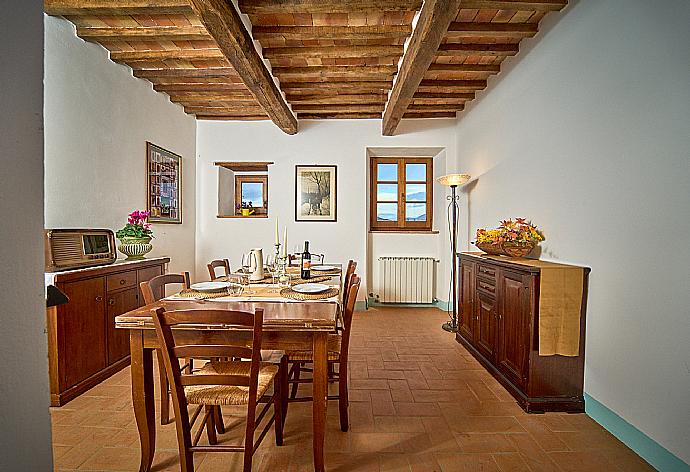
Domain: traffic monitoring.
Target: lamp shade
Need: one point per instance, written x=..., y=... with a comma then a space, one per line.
x=453, y=180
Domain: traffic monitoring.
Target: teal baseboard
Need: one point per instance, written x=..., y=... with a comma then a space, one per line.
x=651, y=451
x=360, y=306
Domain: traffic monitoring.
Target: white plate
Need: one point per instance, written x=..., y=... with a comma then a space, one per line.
x=209, y=286
x=310, y=288
x=323, y=267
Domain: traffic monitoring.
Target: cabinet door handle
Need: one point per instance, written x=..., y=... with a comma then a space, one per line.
x=122, y=281
x=111, y=301
x=99, y=298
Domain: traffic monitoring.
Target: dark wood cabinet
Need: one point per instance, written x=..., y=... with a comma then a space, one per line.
x=84, y=347
x=498, y=324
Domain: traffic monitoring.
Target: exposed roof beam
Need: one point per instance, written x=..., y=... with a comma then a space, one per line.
x=256, y=110
x=336, y=71
x=223, y=22
x=322, y=109
x=166, y=54
x=454, y=85
x=334, y=51
x=326, y=6
x=454, y=49
x=457, y=95
x=149, y=33
x=490, y=68
x=437, y=114
x=519, y=5
x=343, y=85
x=339, y=116
x=332, y=32
x=232, y=118
x=432, y=24
x=184, y=72
x=115, y=7
x=239, y=90
x=435, y=107
x=336, y=99
x=510, y=30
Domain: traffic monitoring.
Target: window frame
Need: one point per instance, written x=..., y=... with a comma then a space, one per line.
x=252, y=178
x=402, y=224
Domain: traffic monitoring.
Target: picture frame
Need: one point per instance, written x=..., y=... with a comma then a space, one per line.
x=316, y=197
x=163, y=185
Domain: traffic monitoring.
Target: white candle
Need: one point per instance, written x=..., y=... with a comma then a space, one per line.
x=285, y=241
x=277, y=240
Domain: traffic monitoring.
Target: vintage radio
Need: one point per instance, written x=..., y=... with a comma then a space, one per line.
x=77, y=248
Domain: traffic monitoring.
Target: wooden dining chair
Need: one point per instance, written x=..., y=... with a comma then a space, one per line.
x=152, y=291
x=338, y=346
x=224, y=263
x=349, y=272
x=219, y=383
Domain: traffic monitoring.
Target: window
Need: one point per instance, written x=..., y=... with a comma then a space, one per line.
x=251, y=191
x=401, y=194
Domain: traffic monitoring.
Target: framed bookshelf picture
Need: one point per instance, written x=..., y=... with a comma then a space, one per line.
x=163, y=185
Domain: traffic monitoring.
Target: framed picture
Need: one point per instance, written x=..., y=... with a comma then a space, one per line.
x=163, y=189
x=316, y=193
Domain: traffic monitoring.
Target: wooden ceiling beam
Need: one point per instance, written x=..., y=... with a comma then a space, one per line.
x=432, y=24
x=516, y=5
x=223, y=22
x=456, y=95
x=336, y=99
x=116, y=7
x=327, y=109
x=257, y=110
x=438, y=101
x=332, y=32
x=166, y=54
x=499, y=50
x=184, y=72
x=339, y=116
x=325, y=6
x=437, y=114
x=340, y=85
x=509, y=30
x=148, y=33
x=479, y=68
x=335, y=71
x=206, y=97
x=229, y=117
x=451, y=85
x=229, y=80
x=333, y=52
x=237, y=90
x=449, y=107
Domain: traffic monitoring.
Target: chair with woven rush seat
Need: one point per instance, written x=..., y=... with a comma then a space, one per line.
x=338, y=345
x=152, y=291
x=224, y=263
x=219, y=383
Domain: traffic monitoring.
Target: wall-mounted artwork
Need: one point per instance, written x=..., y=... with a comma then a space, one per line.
x=163, y=185
x=315, y=193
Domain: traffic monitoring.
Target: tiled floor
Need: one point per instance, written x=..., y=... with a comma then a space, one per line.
x=419, y=402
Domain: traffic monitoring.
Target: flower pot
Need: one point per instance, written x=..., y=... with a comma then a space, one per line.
x=491, y=249
x=135, y=248
x=515, y=249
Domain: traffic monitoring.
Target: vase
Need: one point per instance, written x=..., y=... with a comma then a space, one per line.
x=491, y=249
x=515, y=249
x=135, y=248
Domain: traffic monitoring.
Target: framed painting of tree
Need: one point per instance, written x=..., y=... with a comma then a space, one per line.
x=316, y=193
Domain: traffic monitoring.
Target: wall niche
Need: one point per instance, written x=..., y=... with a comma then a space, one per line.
x=242, y=189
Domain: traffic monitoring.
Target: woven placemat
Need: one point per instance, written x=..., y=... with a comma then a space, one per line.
x=189, y=293
x=267, y=279
x=289, y=293
x=311, y=280
x=327, y=272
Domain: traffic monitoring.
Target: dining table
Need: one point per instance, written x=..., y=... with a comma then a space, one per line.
x=288, y=325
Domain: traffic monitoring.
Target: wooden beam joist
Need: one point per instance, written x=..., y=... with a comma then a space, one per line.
x=467, y=68
x=455, y=85
x=184, y=72
x=336, y=71
x=332, y=32
x=326, y=6
x=331, y=52
x=237, y=90
x=428, y=108
x=223, y=22
x=441, y=95
x=340, y=85
x=517, y=5
x=116, y=7
x=432, y=24
x=510, y=30
x=336, y=99
x=148, y=33
x=499, y=50
x=340, y=116
x=327, y=109
x=437, y=114
x=166, y=54
x=202, y=116
x=254, y=111
x=209, y=97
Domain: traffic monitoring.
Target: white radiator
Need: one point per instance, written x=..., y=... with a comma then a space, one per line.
x=406, y=279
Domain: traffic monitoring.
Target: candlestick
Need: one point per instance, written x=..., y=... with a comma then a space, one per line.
x=285, y=242
x=277, y=243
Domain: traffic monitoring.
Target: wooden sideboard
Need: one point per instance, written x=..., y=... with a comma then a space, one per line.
x=498, y=324
x=84, y=348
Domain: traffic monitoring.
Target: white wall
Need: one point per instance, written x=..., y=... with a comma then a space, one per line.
x=98, y=118
x=25, y=433
x=341, y=142
x=588, y=136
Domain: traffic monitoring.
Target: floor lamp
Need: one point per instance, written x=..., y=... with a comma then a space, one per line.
x=453, y=181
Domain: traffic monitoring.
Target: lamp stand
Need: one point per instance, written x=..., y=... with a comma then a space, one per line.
x=452, y=325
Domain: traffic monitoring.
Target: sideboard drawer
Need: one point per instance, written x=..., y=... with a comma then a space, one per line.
x=121, y=280
x=485, y=271
x=486, y=286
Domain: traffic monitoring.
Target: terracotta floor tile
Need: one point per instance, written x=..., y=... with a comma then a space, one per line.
x=419, y=402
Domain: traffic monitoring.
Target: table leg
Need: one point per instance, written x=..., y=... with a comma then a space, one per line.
x=142, y=397
x=320, y=403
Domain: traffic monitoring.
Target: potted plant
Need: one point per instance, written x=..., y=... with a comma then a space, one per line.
x=135, y=237
x=245, y=209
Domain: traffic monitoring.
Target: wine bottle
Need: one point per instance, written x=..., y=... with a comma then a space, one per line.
x=306, y=262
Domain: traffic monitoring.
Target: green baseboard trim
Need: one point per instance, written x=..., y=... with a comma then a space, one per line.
x=360, y=306
x=651, y=451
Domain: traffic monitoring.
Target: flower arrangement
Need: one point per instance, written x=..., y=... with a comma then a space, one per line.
x=136, y=227
x=513, y=237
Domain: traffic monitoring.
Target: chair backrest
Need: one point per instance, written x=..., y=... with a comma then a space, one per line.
x=224, y=263
x=172, y=353
x=348, y=310
x=154, y=289
x=351, y=267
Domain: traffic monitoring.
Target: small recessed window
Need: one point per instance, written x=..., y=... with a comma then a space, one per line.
x=243, y=189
